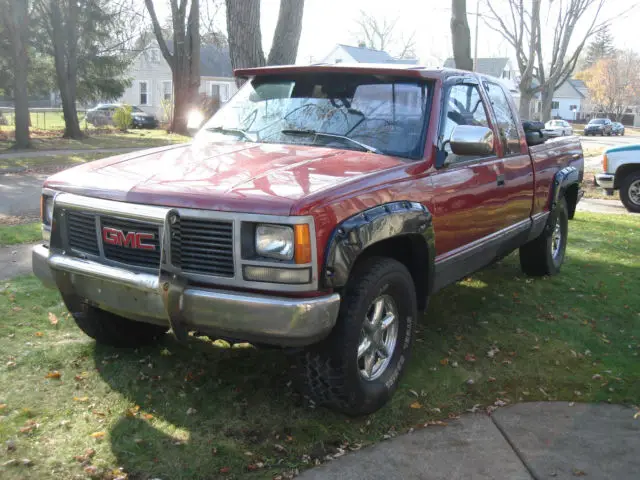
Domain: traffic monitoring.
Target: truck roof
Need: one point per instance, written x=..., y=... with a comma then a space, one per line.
x=404, y=70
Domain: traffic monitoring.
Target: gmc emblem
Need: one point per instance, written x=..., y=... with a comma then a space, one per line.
x=113, y=236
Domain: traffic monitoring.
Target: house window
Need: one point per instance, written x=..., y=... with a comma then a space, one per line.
x=167, y=92
x=144, y=92
x=220, y=91
x=555, y=105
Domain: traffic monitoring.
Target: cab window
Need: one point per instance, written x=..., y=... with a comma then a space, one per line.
x=505, y=118
x=464, y=106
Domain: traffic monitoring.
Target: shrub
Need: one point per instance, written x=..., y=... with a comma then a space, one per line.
x=122, y=118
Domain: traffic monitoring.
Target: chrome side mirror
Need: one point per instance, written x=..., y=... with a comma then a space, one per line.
x=471, y=140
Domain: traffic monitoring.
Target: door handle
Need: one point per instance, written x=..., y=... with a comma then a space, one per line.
x=500, y=180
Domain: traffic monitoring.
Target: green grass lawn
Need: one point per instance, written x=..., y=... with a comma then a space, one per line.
x=25, y=233
x=133, y=138
x=204, y=411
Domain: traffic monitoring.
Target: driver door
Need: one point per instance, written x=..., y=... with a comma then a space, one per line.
x=469, y=191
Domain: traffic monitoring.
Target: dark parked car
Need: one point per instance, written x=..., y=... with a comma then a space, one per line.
x=102, y=114
x=598, y=126
x=617, y=128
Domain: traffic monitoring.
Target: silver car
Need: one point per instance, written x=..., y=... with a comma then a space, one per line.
x=557, y=128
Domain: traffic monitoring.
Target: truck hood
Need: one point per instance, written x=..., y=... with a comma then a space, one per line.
x=234, y=176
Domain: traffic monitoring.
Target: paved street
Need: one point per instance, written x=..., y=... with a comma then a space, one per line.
x=526, y=441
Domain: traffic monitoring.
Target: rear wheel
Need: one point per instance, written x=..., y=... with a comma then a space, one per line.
x=630, y=192
x=544, y=255
x=357, y=368
x=109, y=329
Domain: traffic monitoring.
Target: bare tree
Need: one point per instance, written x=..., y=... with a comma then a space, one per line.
x=522, y=28
x=184, y=60
x=461, y=35
x=245, y=37
x=15, y=20
x=379, y=34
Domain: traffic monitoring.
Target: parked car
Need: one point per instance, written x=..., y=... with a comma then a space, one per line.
x=557, y=128
x=598, y=126
x=318, y=210
x=102, y=114
x=621, y=171
x=617, y=128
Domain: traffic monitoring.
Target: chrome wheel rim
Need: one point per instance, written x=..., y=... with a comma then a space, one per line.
x=556, y=240
x=378, y=338
x=634, y=192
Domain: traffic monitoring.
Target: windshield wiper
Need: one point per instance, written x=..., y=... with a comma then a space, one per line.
x=364, y=146
x=238, y=132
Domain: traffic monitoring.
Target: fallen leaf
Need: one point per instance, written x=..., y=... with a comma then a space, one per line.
x=225, y=470
x=191, y=411
x=133, y=411
x=147, y=416
x=39, y=334
x=55, y=374
x=492, y=352
x=435, y=423
x=16, y=309
x=596, y=377
x=444, y=361
x=11, y=364
x=637, y=414
x=91, y=470
x=491, y=379
x=578, y=473
x=3, y=406
x=89, y=452
x=469, y=357
x=165, y=353
x=80, y=399
x=53, y=319
x=98, y=435
x=416, y=405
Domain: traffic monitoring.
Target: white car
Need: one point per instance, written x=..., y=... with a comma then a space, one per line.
x=621, y=171
x=557, y=128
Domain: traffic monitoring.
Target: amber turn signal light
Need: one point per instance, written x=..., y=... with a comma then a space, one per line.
x=605, y=163
x=302, y=238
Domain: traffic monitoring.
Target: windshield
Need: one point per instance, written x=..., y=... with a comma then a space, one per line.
x=347, y=111
x=597, y=121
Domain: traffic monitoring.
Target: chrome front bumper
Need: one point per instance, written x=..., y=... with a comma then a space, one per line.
x=605, y=180
x=168, y=301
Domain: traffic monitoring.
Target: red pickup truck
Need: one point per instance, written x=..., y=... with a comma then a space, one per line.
x=318, y=210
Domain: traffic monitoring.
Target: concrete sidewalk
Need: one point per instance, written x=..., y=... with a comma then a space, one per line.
x=539, y=440
x=15, y=260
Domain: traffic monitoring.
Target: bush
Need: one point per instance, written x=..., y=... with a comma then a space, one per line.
x=122, y=118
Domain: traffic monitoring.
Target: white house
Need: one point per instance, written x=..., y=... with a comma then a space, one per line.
x=569, y=100
x=152, y=89
x=349, y=54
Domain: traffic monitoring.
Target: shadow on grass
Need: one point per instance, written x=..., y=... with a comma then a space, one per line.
x=215, y=408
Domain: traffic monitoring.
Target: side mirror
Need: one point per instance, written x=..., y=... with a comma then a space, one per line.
x=471, y=140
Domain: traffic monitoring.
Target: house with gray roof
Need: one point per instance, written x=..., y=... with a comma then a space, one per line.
x=152, y=86
x=350, y=54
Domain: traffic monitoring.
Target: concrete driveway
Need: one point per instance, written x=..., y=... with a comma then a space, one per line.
x=20, y=195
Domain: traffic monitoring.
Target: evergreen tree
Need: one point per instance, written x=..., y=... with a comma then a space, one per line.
x=600, y=47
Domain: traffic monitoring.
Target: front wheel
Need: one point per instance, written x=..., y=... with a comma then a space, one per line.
x=357, y=368
x=630, y=192
x=544, y=255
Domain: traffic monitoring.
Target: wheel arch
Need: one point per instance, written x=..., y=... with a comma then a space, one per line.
x=566, y=184
x=622, y=171
x=400, y=230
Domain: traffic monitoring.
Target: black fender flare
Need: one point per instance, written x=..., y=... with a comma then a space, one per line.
x=563, y=179
x=359, y=232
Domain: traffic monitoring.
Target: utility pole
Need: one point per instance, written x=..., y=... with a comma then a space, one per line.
x=475, y=49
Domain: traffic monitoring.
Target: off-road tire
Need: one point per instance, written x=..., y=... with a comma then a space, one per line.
x=536, y=257
x=109, y=329
x=625, y=184
x=328, y=372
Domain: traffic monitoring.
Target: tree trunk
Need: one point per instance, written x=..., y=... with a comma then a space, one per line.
x=460, y=35
x=245, y=39
x=546, y=99
x=65, y=58
x=525, y=105
x=17, y=22
x=286, y=38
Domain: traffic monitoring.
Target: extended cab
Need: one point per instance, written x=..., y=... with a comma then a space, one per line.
x=318, y=210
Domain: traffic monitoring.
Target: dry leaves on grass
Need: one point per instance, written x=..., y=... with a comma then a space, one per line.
x=81, y=399
x=470, y=357
x=53, y=319
x=133, y=411
x=54, y=374
x=98, y=435
x=416, y=405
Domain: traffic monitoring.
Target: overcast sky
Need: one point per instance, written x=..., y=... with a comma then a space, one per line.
x=328, y=22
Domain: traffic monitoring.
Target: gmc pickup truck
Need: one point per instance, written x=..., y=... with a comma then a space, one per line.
x=318, y=211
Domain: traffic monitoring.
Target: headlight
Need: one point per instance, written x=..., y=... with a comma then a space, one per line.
x=274, y=241
x=47, y=209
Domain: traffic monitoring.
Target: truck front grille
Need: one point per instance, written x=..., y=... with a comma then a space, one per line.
x=203, y=246
x=149, y=258
x=81, y=231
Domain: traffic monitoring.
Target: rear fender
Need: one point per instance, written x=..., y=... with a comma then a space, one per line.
x=389, y=221
x=568, y=177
